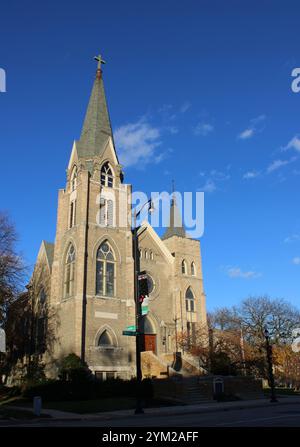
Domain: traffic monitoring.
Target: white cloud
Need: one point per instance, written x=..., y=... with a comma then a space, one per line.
x=250, y=174
x=167, y=112
x=293, y=144
x=162, y=156
x=218, y=175
x=258, y=120
x=203, y=129
x=214, y=177
x=292, y=238
x=137, y=142
x=277, y=164
x=185, y=106
x=296, y=260
x=236, y=272
x=248, y=133
x=256, y=125
x=172, y=129
x=209, y=186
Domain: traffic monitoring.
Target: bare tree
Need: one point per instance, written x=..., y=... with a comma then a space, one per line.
x=279, y=316
x=12, y=269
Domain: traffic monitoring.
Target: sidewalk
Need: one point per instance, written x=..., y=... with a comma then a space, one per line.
x=166, y=411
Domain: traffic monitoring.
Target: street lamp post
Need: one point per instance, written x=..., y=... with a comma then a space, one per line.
x=138, y=307
x=270, y=365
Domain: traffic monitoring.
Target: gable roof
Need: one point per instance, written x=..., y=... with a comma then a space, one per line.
x=157, y=240
x=49, y=251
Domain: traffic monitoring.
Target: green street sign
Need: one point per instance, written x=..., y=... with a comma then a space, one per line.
x=130, y=328
x=145, y=310
x=129, y=333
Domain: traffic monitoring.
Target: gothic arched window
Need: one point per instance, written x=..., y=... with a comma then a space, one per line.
x=72, y=216
x=105, y=270
x=106, y=212
x=183, y=268
x=105, y=340
x=106, y=177
x=74, y=179
x=69, y=272
x=189, y=300
x=193, y=269
x=42, y=296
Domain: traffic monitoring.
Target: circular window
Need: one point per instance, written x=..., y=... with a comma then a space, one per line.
x=105, y=247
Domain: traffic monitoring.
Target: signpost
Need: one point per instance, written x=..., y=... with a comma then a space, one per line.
x=145, y=306
x=130, y=331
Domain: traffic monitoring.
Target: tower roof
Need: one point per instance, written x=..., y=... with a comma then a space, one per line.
x=176, y=227
x=96, y=128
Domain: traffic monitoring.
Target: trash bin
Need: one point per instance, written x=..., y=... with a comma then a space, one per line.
x=37, y=405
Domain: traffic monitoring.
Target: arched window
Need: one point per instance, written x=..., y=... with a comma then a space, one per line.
x=189, y=300
x=74, y=179
x=105, y=340
x=42, y=296
x=106, y=212
x=105, y=270
x=106, y=177
x=193, y=269
x=183, y=268
x=69, y=272
x=151, y=255
x=147, y=326
x=72, y=216
x=146, y=254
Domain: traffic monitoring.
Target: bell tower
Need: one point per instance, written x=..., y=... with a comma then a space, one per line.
x=92, y=274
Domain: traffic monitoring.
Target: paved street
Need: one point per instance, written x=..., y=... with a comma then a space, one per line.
x=273, y=415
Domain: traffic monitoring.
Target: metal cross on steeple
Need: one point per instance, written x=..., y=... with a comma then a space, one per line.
x=100, y=61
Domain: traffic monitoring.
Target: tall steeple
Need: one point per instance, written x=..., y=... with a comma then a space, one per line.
x=176, y=227
x=96, y=128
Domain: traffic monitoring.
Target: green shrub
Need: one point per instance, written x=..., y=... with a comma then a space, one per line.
x=66, y=390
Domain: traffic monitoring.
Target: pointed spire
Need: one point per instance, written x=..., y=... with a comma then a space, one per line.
x=96, y=127
x=176, y=227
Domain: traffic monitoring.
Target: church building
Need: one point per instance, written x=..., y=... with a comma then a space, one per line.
x=85, y=279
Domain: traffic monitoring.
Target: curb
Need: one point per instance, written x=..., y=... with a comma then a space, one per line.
x=189, y=409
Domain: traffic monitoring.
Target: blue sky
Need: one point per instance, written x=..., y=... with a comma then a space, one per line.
x=203, y=87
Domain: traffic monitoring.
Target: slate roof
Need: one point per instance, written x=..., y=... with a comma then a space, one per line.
x=96, y=128
x=176, y=227
x=49, y=249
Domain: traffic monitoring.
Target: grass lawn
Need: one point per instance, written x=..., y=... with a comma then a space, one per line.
x=12, y=413
x=101, y=405
x=92, y=406
x=87, y=406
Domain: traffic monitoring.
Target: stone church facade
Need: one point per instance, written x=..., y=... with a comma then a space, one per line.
x=86, y=277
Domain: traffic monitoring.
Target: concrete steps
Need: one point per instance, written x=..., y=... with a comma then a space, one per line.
x=192, y=392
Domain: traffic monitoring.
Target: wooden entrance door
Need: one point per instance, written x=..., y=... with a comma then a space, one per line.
x=150, y=342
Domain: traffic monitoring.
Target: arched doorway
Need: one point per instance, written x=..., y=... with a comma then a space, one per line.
x=149, y=335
